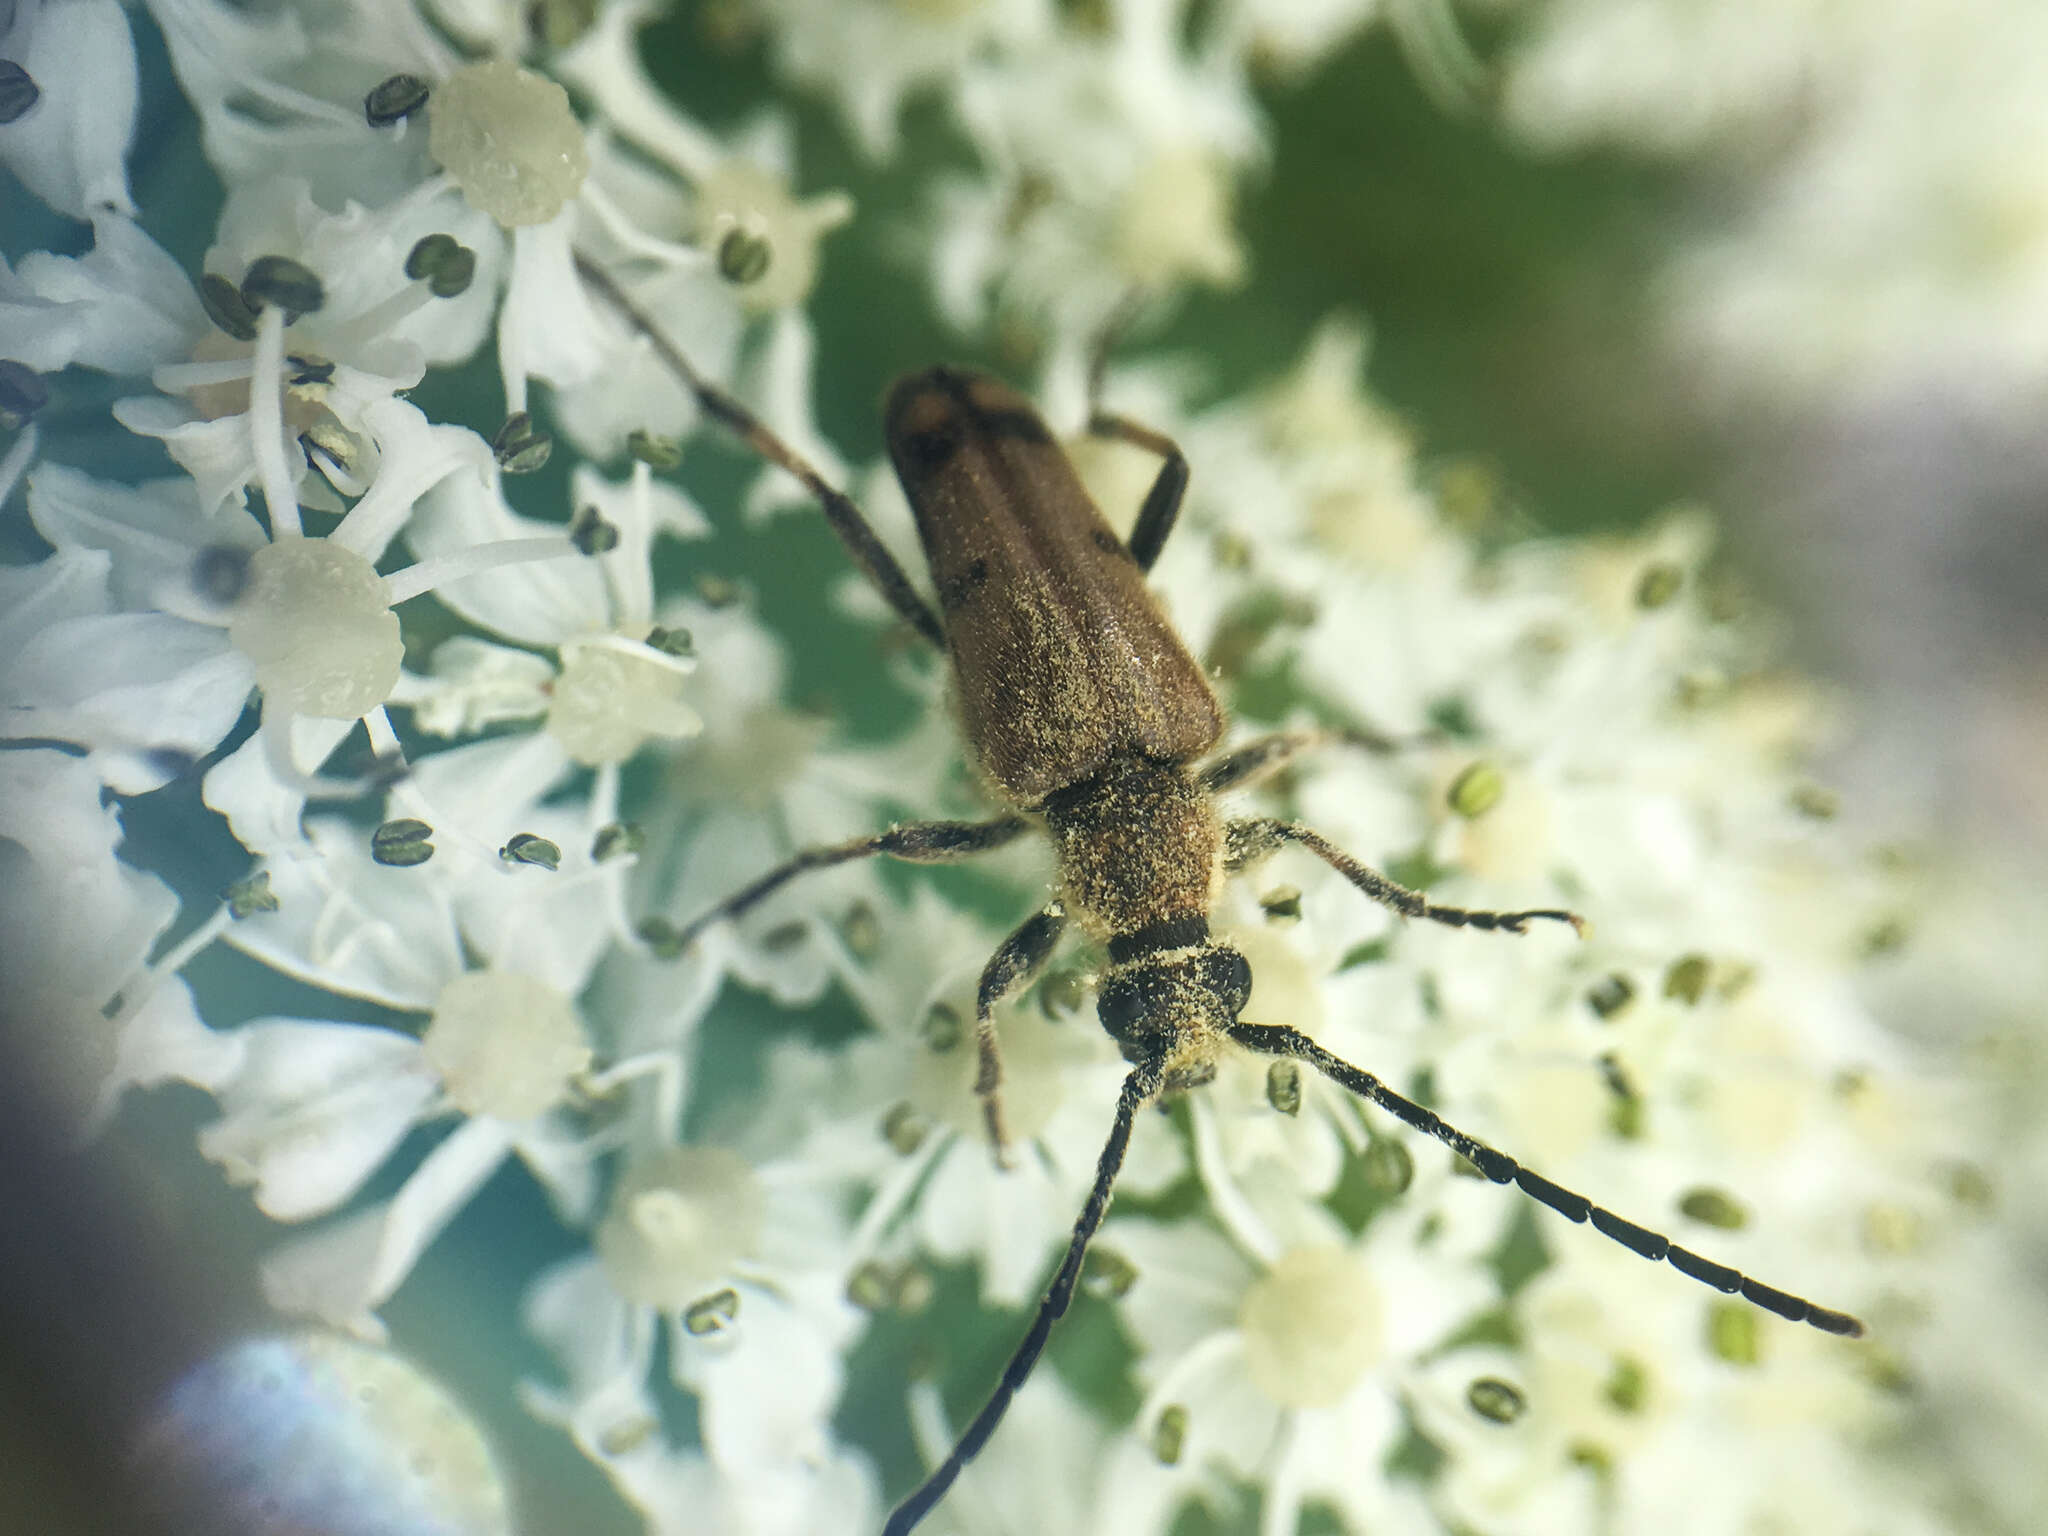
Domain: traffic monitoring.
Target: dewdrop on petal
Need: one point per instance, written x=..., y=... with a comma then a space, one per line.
x=607, y=702
x=679, y=1221
x=510, y=140
x=316, y=623
x=504, y=1045
x=1311, y=1327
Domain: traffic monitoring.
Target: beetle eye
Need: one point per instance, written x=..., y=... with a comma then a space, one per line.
x=1235, y=978
x=1119, y=1006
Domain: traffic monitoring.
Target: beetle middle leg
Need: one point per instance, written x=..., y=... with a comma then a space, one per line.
x=920, y=842
x=1017, y=959
x=1263, y=756
x=1249, y=841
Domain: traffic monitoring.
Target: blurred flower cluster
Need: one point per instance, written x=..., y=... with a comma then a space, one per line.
x=491, y=731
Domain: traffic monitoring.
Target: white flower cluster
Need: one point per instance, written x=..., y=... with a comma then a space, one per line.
x=1896, y=230
x=490, y=841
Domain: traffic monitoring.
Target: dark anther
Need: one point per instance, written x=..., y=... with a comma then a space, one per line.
x=22, y=394
x=18, y=91
x=220, y=573
x=290, y=285
x=393, y=100
x=225, y=306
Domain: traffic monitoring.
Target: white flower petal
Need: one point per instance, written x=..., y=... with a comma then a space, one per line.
x=542, y=602
x=123, y=307
x=152, y=530
x=71, y=147
x=314, y=1111
x=343, y=1272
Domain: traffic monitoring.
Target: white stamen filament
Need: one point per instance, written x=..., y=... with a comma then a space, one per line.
x=266, y=424
x=438, y=570
x=1280, y=1506
x=1225, y=1198
x=893, y=1194
x=15, y=465
x=682, y=666
x=177, y=378
x=1215, y=1350
x=632, y=239
x=665, y=1068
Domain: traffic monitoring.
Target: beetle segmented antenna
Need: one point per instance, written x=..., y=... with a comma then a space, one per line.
x=1139, y=1087
x=868, y=552
x=1278, y=1040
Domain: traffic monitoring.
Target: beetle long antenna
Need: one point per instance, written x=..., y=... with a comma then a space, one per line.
x=1278, y=1040
x=1139, y=1087
x=868, y=551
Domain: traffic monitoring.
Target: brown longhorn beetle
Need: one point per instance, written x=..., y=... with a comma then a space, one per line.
x=1085, y=712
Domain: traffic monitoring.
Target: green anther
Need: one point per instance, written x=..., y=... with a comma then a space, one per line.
x=1626, y=1115
x=1170, y=1434
x=1970, y=1187
x=1476, y=791
x=1062, y=994
x=743, y=258
x=663, y=939
x=1282, y=904
x=617, y=840
x=904, y=1128
x=872, y=1286
x=22, y=394
x=784, y=937
x=913, y=1289
x=1885, y=938
x=225, y=306
x=943, y=1028
x=18, y=91
x=714, y=1314
x=1496, y=1401
x=1701, y=687
x=1714, y=1208
x=716, y=591
x=656, y=452
x=591, y=534
x=1893, y=1230
x=1627, y=1386
x=290, y=285
x=1387, y=1166
x=1596, y=1459
x=1816, y=801
x=1283, y=1087
x=526, y=848
x=250, y=895
x=626, y=1435
x=1610, y=995
x=393, y=100
x=402, y=843
x=444, y=263
x=1686, y=979
x=1108, y=1273
x=861, y=929
x=1659, y=584
x=519, y=446
x=676, y=642
x=1733, y=1333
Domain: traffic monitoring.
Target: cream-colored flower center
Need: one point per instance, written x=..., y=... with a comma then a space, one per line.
x=607, y=702
x=679, y=1221
x=1176, y=224
x=1311, y=1327
x=510, y=140
x=504, y=1045
x=315, y=622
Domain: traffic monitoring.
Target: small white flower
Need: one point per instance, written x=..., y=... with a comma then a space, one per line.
x=71, y=146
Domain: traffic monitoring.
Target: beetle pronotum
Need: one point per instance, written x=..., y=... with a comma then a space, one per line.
x=1086, y=714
